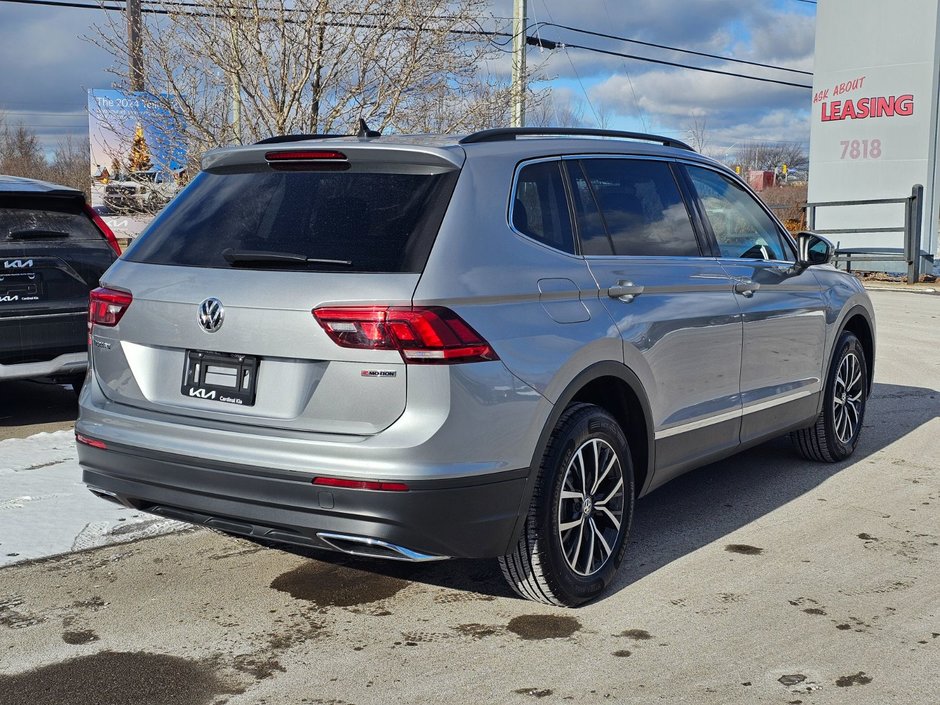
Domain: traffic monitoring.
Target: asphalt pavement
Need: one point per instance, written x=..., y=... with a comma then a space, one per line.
x=32, y=407
x=760, y=579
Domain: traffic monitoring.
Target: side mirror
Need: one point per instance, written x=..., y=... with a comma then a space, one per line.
x=813, y=249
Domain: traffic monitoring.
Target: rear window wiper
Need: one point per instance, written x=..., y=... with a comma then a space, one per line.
x=262, y=258
x=36, y=234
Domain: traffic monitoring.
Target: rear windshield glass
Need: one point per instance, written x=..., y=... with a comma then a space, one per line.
x=50, y=221
x=359, y=221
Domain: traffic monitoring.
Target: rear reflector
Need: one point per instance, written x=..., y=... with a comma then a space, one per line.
x=360, y=484
x=106, y=306
x=423, y=335
x=93, y=442
x=307, y=160
x=103, y=227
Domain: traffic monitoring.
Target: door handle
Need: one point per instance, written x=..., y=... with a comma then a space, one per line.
x=625, y=291
x=746, y=288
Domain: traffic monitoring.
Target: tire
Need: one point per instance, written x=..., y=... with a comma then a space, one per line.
x=555, y=561
x=834, y=435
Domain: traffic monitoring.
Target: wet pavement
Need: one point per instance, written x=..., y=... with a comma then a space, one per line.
x=761, y=579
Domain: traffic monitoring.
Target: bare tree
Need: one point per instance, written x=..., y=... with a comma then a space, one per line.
x=70, y=166
x=20, y=151
x=697, y=133
x=770, y=155
x=22, y=154
x=549, y=110
x=243, y=71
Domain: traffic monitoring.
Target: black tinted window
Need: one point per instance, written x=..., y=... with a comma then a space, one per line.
x=632, y=207
x=37, y=219
x=380, y=222
x=540, y=209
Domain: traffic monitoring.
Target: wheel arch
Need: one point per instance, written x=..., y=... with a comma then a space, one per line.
x=858, y=322
x=615, y=388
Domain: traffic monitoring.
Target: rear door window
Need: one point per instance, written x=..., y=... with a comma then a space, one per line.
x=362, y=221
x=631, y=207
x=540, y=206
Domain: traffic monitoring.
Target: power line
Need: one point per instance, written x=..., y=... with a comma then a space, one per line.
x=626, y=72
x=56, y=113
x=678, y=65
x=479, y=33
x=189, y=3
x=597, y=118
x=670, y=48
x=155, y=11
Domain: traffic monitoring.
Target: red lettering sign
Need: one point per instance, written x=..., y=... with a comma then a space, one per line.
x=863, y=108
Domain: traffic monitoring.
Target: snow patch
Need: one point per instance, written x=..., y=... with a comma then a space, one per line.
x=45, y=508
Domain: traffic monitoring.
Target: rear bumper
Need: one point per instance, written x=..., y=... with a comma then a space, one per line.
x=63, y=365
x=467, y=518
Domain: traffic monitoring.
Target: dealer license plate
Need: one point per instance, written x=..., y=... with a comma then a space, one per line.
x=223, y=377
x=20, y=287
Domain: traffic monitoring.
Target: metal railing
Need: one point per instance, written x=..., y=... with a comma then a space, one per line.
x=911, y=253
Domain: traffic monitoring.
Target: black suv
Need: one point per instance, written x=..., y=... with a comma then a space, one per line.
x=53, y=250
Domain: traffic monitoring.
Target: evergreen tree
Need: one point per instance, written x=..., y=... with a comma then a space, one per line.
x=140, y=153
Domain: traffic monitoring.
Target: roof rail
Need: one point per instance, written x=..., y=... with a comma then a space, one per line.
x=510, y=133
x=296, y=138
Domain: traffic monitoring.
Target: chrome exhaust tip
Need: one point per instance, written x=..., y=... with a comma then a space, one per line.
x=105, y=494
x=374, y=548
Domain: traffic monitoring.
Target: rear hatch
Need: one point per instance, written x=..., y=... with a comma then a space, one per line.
x=51, y=255
x=224, y=282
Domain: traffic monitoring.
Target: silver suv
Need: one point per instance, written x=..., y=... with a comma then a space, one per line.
x=428, y=347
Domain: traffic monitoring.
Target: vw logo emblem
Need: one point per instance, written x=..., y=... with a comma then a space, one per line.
x=211, y=315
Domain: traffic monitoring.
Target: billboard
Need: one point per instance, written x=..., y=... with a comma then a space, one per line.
x=874, y=115
x=138, y=154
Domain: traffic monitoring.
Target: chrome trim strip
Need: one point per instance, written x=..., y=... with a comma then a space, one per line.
x=406, y=554
x=737, y=413
x=44, y=315
x=701, y=423
x=763, y=405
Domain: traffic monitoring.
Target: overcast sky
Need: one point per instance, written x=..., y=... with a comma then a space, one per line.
x=48, y=66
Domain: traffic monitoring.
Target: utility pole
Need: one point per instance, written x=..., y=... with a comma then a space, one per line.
x=518, y=63
x=236, y=82
x=135, y=47
x=316, y=85
x=236, y=108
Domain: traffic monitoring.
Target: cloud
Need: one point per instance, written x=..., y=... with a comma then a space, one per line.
x=788, y=38
x=734, y=110
x=54, y=67
x=664, y=98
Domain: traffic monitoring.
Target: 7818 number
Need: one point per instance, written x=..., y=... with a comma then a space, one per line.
x=861, y=149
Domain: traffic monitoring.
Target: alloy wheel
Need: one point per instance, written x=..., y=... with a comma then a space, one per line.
x=848, y=397
x=590, y=507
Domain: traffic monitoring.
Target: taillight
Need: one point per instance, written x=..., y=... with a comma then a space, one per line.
x=106, y=306
x=360, y=484
x=426, y=335
x=307, y=160
x=93, y=442
x=103, y=227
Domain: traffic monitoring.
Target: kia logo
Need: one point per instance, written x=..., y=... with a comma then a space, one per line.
x=211, y=315
x=17, y=263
